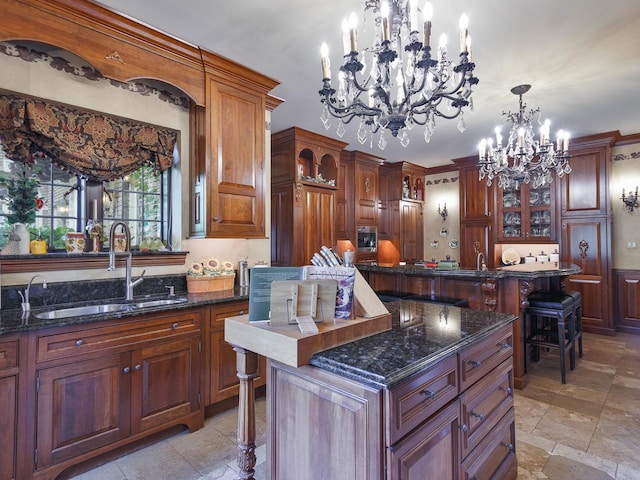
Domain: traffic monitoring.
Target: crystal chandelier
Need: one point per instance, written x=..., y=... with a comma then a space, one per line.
x=524, y=159
x=403, y=84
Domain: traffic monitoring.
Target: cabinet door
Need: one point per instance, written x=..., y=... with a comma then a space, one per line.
x=434, y=447
x=475, y=236
x=8, y=421
x=165, y=382
x=627, y=306
x=318, y=222
x=366, y=185
x=585, y=190
x=476, y=198
x=526, y=214
x=411, y=230
x=236, y=173
x=81, y=406
x=9, y=407
x=384, y=215
x=585, y=242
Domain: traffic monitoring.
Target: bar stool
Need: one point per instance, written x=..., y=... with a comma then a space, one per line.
x=549, y=322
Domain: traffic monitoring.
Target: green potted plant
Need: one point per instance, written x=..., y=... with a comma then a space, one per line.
x=23, y=201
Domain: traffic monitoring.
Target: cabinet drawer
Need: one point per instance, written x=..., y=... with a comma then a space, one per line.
x=84, y=340
x=495, y=456
x=484, y=404
x=414, y=401
x=219, y=313
x=482, y=357
x=9, y=354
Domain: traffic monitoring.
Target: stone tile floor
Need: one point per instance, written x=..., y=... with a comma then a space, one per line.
x=587, y=429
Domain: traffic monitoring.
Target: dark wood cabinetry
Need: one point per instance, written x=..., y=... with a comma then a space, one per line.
x=304, y=176
x=586, y=228
x=228, y=172
x=476, y=214
x=98, y=387
x=627, y=300
x=526, y=214
x=402, y=218
x=222, y=381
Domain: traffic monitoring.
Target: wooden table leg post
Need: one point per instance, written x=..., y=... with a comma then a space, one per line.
x=247, y=366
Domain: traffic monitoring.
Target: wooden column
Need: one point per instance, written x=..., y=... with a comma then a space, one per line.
x=247, y=366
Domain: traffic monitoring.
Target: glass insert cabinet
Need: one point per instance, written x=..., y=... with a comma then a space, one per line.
x=526, y=214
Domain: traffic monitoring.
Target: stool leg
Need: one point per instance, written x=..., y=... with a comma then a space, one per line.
x=579, y=329
x=572, y=340
x=561, y=335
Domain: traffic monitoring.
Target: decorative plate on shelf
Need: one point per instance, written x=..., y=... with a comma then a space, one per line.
x=453, y=243
x=444, y=231
x=510, y=257
x=435, y=243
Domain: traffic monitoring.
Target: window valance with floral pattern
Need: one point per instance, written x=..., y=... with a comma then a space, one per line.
x=98, y=146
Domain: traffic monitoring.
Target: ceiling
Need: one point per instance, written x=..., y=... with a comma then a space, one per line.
x=582, y=58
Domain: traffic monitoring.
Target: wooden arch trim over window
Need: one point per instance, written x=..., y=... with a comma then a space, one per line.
x=98, y=146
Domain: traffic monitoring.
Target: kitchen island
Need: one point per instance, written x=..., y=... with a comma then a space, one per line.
x=432, y=394
x=504, y=289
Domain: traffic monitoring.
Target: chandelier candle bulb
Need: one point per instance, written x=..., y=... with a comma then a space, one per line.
x=384, y=11
x=469, y=48
x=560, y=138
x=324, y=53
x=464, y=23
x=427, y=12
x=353, y=32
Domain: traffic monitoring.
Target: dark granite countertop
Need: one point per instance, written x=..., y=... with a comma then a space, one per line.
x=422, y=334
x=13, y=321
x=524, y=271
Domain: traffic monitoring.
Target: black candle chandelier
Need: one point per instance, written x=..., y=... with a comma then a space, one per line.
x=405, y=84
x=524, y=159
x=630, y=201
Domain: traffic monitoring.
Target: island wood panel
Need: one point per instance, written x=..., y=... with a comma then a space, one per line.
x=322, y=426
x=469, y=289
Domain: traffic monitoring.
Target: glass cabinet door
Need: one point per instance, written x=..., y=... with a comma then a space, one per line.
x=539, y=212
x=511, y=213
x=526, y=214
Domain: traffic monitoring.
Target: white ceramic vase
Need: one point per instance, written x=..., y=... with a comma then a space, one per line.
x=20, y=229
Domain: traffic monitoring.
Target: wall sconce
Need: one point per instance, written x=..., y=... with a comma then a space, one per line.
x=444, y=213
x=630, y=201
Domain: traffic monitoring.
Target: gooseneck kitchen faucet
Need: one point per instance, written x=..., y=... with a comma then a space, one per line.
x=127, y=251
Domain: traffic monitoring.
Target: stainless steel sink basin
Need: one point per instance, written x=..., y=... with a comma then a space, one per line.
x=86, y=310
x=109, y=307
x=159, y=303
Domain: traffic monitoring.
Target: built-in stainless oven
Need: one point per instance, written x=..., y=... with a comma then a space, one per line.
x=367, y=239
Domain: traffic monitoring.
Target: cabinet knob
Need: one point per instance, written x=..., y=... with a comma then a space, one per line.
x=463, y=427
x=241, y=312
x=174, y=325
x=504, y=346
x=507, y=390
x=429, y=394
x=509, y=446
x=216, y=219
x=476, y=363
x=137, y=367
x=478, y=415
x=79, y=342
x=126, y=370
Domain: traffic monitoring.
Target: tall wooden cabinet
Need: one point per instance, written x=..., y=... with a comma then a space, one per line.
x=304, y=176
x=403, y=215
x=358, y=197
x=585, y=213
x=476, y=214
x=228, y=151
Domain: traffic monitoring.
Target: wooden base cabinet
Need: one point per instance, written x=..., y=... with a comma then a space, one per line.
x=101, y=386
x=9, y=396
x=627, y=302
x=453, y=420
